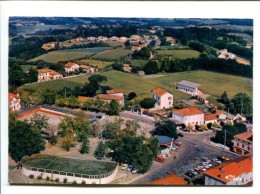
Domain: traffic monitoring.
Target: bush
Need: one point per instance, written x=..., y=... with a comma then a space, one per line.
x=48, y=178
x=190, y=127
x=74, y=182
x=209, y=125
x=57, y=180
x=39, y=177
x=31, y=176
x=216, y=125
x=65, y=180
x=83, y=182
x=229, y=123
x=203, y=127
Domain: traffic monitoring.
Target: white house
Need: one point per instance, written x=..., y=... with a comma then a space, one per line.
x=14, y=101
x=189, y=87
x=102, y=38
x=188, y=116
x=243, y=143
x=164, y=99
x=234, y=172
x=92, y=38
x=88, y=69
x=71, y=67
x=48, y=74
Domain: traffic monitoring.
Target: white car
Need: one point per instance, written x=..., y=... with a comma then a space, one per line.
x=134, y=171
x=124, y=166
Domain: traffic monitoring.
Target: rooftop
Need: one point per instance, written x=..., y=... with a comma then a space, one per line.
x=83, y=98
x=246, y=136
x=44, y=70
x=188, y=111
x=70, y=64
x=115, y=91
x=189, y=84
x=226, y=172
x=12, y=95
x=159, y=91
x=209, y=117
x=109, y=97
x=169, y=180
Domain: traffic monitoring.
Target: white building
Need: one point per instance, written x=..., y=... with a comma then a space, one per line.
x=71, y=67
x=243, y=143
x=14, y=101
x=235, y=172
x=102, y=38
x=48, y=74
x=189, y=87
x=88, y=69
x=188, y=116
x=164, y=99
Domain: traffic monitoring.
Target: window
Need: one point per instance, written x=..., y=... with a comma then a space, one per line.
x=170, y=103
x=169, y=98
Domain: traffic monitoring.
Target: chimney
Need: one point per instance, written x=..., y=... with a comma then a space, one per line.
x=17, y=94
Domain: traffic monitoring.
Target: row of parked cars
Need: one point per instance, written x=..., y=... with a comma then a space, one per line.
x=205, y=165
x=130, y=168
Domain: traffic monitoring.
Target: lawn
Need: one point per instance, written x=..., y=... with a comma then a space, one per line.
x=72, y=165
x=112, y=55
x=57, y=56
x=180, y=54
x=212, y=83
x=94, y=63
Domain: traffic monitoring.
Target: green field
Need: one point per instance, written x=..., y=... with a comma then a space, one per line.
x=212, y=83
x=26, y=68
x=234, y=27
x=94, y=63
x=92, y=50
x=87, y=167
x=57, y=56
x=139, y=62
x=112, y=55
x=180, y=54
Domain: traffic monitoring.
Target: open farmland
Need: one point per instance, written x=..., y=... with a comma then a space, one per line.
x=91, y=50
x=139, y=62
x=57, y=56
x=94, y=63
x=112, y=55
x=116, y=79
x=212, y=83
x=180, y=54
x=234, y=27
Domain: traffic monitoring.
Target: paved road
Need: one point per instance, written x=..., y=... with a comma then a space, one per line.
x=189, y=156
x=141, y=118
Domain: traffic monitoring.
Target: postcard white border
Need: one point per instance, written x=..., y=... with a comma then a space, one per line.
x=126, y=9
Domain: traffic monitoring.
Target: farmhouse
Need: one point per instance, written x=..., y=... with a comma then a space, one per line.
x=71, y=67
x=135, y=48
x=49, y=46
x=164, y=99
x=92, y=38
x=116, y=92
x=48, y=74
x=88, y=69
x=108, y=98
x=189, y=87
x=243, y=143
x=188, y=116
x=235, y=172
x=14, y=101
x=127, y=68
x=114, y=38
x=123, y=39
x=102, y=38
x=224, y=54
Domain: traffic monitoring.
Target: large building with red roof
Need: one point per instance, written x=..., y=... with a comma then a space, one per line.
x=169, y=180
x=235, y=172
x=71, y=67
x=14, y=101
x=243, y=143
x=48, y=74
x=163, y=98
x=188, y=116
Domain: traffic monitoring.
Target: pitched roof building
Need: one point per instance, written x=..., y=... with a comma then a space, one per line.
x=14, y=101
x=243, y=143
x=164, y=99
x=188, y=116
x=189, y=87
x=48, y=74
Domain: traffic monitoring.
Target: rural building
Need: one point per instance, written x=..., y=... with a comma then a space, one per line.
x=189, y=87
x=210, y=118
x=114, y=38
x=123, y=39
x=224, y=54
x=49, y=46
x=140, y=73
x=48, y=74
x=14, y=101
x=71, y=67
x=202, y=98
x=135, y=48
x=243, y=143
x=137, y=109
x=239, y=119
x=235, y=172
x=171, y=179
x=164, y=99
x=170, y=40
x=188, y=116
x=88, y=69
x=108, y=98
x=127, y=68
x=92, y=38
x=102, y=38
x=135, y=37
x=116, y=92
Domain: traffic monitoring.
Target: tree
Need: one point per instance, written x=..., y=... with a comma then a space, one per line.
x=39, y=122
x=131, y=127
x=113, y=108
x=224, y=98
x=89, y=89
x=85, y=146
x=23, y=140
x=151, y=67
x=67, y=126
x=32, y=75
x=97, y=78
x=132, y=95
x=82, y=127
x=242, y=103
x=167, y=128
x=101, y=149
x=153, y=144
x=148, y=103
x=112, y=130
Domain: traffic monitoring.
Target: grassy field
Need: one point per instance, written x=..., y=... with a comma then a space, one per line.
x=26, y=68
x=116, y=79
x=99, y=64
x=180, y=54
x=56, y=56
x=69, y=165
x=234, y=27
x=212, y=83
x=139, y=62
x=112, y=55
x=92, y=50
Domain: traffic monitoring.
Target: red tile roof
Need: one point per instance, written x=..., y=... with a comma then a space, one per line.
x=159, y=91
x=210, y=117
x=115, y=91
x=244, y=136
x=83, y=98
x=227, y=171
x=109, y=97
x=169, y=180
x=11, y=96
x=44, y=70
x=188, y=111
x=70, y=64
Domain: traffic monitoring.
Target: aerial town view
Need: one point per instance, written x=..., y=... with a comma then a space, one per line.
x=130, y=101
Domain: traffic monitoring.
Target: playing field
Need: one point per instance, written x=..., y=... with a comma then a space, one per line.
x=71, y=165
x=180, y=54
x=94, y=63
x=112, y=55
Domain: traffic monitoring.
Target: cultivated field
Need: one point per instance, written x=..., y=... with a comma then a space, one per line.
x=112, y=55
x=72, y=165
x=212, y=83
x=94, y=63
x=180, y=54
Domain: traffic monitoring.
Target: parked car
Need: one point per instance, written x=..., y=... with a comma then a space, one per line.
x=160, y=159
x=205, y=159
x=217, y=161
x=134, y=170
x=223, y=158
x=130, y=168
x=124, y=166
x=189, y=174
x=100, y=157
